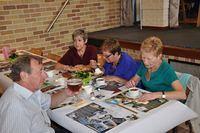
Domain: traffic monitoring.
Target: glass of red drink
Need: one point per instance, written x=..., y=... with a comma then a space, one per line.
x=74, y=85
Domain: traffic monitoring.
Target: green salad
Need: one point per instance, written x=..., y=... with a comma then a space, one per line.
x=85, y=76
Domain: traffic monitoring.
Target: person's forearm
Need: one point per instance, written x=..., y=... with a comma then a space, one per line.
x=175, y=95
x=60, y=66
x=57, y=98
x=171, y=95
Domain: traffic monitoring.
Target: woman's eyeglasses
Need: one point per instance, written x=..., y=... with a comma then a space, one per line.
x=107, y=56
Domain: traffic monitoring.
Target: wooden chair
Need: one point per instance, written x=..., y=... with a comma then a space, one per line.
x=190, y=99
x=53, y=56
x=37, y=51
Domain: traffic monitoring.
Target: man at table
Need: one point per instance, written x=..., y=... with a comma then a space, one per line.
x=23, y=106
x=119, y=66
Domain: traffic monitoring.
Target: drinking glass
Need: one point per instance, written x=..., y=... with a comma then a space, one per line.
x=74, y=85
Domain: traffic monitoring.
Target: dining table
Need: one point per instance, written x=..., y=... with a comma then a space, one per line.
x=109, y=109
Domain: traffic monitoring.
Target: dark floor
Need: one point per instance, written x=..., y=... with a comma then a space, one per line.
x=183, y=36
x=182, y=128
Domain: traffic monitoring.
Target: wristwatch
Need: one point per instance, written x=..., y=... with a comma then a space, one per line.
x=163, y=94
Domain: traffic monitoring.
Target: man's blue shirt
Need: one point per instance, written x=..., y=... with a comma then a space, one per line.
x=126, y=67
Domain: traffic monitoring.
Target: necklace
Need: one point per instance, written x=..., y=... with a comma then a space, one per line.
x=81, y=52
x=149, y=71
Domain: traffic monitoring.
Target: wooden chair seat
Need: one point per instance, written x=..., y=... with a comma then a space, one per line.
x=37, y=51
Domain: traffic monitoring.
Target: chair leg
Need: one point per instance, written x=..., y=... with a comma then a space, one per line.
x=188, y=123
x=175, y=129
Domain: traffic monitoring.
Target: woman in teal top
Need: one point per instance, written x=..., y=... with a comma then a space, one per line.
x=156, y=74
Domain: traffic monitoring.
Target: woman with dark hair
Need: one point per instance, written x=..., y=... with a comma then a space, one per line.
x=119, y=65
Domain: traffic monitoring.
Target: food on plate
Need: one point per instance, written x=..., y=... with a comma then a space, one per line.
x=80, y=68
x=85, y=76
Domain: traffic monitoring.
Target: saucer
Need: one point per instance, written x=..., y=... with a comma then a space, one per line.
x=128, y=95
x=102, y=85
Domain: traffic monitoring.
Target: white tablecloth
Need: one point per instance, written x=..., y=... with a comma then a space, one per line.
x=158, y=120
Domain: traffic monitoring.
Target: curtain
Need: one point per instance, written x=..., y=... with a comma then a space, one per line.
x=173, y=13
x=127, y=14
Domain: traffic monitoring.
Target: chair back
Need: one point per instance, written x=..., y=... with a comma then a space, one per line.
x=53, y=56
x=193, y=98
x=37, y=51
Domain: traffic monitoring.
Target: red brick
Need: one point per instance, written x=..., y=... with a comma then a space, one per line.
x=100, y=7
x=24, y=16
x=63, y=24
x=2, y=18
x=39, y=10
x=49, y=0
x=33, y=37
x=83, y=1
x=3, y=27
x=32, y=29
x=64, y=32
x=6, y=32
x=55, y=42
x=28, y=10
x=37, y=32
x=5, y=22
x=30, y=20
x=49, y=39
x=71, y=15
x=4, y=12
x=22, y=6
x=60, y=45
x=51, y=9
x=10, y=7
x=9, y=41
x=79, y=6
x=21, y=39
x=75, y=10
x=112, y=17
x=34, y=5
x=44, y=35
x=35, y=14
x=28, y=42
x=96, y=4
x=19, y=30
x=76, y=18
x=86, y=24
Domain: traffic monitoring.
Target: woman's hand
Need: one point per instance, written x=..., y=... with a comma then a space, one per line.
x=149, y=96
x=93, y=64
x=130, y=83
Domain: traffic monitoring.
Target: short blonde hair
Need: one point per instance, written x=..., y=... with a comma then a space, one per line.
x=152, y=44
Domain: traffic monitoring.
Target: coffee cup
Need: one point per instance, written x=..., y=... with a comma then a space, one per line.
x=61, y=81
x=134, y=93
x=51, y=73
x=87, y=89
x=100, y=81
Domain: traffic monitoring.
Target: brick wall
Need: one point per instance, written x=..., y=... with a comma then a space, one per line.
x=23, y=23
